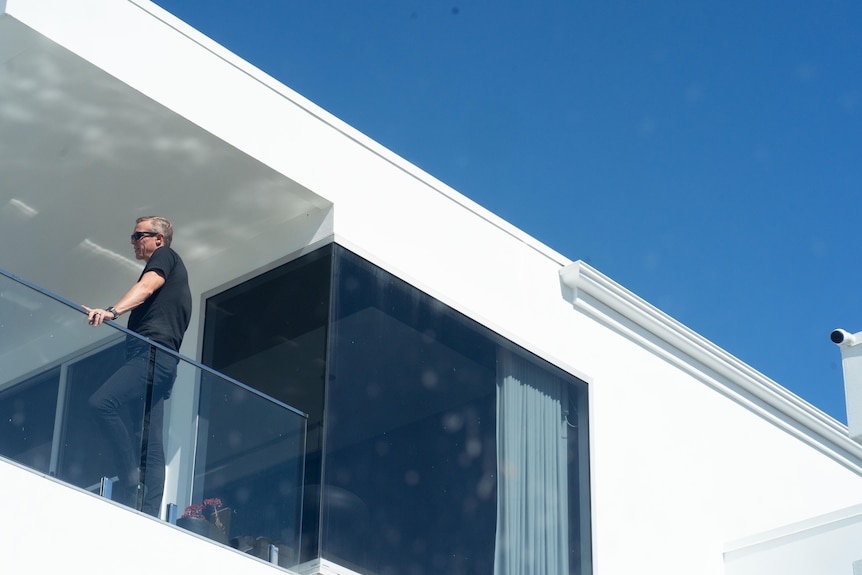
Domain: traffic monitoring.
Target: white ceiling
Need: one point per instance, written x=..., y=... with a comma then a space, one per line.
x=83, y=154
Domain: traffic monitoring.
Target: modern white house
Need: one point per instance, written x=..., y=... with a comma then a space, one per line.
x=380, y=375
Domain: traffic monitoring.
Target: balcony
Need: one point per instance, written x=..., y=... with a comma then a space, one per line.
x=234, y=466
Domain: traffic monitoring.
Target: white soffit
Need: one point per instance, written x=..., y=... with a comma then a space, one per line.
x=83, y=153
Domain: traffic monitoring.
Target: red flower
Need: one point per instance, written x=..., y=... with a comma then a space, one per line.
x=197, y=510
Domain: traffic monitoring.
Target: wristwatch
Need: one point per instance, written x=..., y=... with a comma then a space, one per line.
x=113, y=311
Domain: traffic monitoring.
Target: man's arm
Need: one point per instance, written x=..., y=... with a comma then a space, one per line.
x=138, y=294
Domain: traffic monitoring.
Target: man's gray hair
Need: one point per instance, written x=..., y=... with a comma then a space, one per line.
x=160, y=225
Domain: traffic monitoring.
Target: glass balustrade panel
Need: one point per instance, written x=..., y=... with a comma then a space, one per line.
x=83, y=404
x=250, y=465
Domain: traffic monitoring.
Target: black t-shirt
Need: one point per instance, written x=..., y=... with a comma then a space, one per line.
x=164, y=316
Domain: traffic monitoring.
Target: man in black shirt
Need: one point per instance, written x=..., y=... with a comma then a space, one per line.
x=160, y=304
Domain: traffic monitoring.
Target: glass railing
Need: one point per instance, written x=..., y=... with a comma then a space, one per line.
x=107, y=411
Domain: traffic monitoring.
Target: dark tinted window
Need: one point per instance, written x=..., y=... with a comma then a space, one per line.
x=414, y=430
x=435, y=431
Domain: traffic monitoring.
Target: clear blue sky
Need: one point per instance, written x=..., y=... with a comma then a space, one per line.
x=705, y=155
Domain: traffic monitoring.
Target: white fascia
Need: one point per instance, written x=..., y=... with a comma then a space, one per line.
x=601, y=298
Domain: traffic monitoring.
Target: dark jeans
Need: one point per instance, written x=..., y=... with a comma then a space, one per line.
x=120, y=409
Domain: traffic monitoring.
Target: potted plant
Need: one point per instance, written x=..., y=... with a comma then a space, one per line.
x=209, y=519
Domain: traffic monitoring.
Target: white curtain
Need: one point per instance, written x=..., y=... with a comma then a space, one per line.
x=532, y=496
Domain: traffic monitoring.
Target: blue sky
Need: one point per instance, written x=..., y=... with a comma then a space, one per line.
x=705, y=155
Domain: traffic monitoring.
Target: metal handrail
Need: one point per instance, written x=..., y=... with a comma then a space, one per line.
x=155, y=344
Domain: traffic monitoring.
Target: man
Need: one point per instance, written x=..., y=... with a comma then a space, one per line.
x=160, y=304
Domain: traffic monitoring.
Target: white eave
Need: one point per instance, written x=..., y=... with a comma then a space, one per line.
x=601, y=298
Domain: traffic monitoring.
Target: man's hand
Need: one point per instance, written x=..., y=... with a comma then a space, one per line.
x=95, y=317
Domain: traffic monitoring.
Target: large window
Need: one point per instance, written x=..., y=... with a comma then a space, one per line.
x=445, y=448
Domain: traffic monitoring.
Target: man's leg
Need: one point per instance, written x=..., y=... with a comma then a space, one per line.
x=110, y=403
x=164, y=374
x=154, y=479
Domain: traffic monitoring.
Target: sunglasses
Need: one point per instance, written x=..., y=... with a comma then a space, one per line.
x=138, y=235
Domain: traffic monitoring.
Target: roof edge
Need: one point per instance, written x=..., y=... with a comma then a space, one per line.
x=725, y=372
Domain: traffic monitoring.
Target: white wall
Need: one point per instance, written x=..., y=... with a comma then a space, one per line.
x=51, y=528
x=684, y=462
